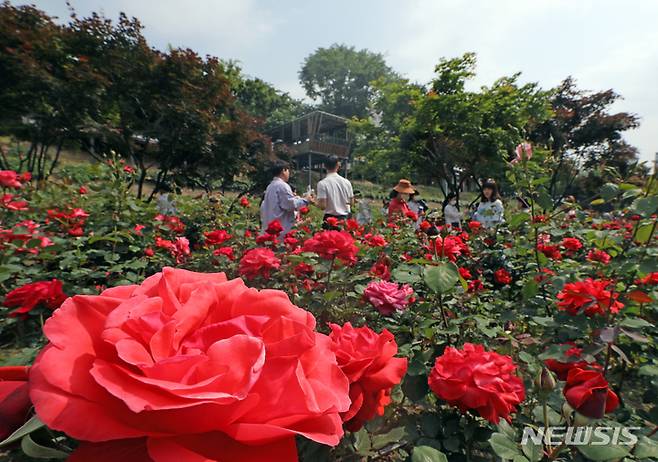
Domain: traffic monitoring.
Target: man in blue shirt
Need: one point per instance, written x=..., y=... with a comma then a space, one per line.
x=279, y=202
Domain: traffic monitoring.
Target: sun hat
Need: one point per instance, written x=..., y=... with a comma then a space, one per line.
x=404, y=187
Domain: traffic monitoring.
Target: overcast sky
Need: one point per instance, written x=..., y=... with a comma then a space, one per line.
x=602, y=43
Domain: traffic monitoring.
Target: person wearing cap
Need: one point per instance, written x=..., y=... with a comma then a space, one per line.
x=490, y=209
x=335, y=195
x=398, y=206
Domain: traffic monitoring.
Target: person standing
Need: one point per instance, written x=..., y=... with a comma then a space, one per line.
x=334, y=194
x=451, y=214
x=490, y=209
x=279, y=202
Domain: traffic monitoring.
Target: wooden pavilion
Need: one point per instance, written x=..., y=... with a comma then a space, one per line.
x=313, y=138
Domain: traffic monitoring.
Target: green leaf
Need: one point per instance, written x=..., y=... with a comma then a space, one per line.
x=544, y=199
x=518, y=219
x=28, y=427
x=395, y=435
x=503, y=446
x=415, y=387
x=441, y=278
x=645, y=205
x=646, y=448
x=406, y=274
x=604, y=452
x=37, y=451
x=635, y=323
x=427, y=454
x=597, y=202
x=530, y=289
x=362, y=442
x=534, y=452
x=648, y=369
x=430, y=425
x=643, y=233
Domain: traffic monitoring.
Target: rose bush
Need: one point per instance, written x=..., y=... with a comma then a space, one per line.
x=558, y=287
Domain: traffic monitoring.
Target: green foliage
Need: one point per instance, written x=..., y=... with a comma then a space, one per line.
x=341, y=77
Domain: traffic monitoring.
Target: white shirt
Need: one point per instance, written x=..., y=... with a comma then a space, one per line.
x=452, y=215
x=490, y=214
x=338, y=193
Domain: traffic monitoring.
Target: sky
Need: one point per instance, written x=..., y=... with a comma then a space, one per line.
x=601, y=43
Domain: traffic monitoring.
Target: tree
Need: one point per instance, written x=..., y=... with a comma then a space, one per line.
x=341, y=78
x=450, y=134
x=584, y=134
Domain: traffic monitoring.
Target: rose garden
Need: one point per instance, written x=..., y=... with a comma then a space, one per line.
x=132, y=335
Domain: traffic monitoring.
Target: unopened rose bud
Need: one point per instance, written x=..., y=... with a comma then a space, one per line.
x=545, y=380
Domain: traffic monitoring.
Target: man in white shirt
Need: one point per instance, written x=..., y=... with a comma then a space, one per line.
x=334, y=194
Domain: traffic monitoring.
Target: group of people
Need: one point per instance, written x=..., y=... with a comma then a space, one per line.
x=336, y=198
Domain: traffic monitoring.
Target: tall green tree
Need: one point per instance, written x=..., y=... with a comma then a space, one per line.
x=585, y=134
x=341, y=77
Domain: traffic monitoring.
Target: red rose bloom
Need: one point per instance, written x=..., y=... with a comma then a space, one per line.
x=375, y=240
x=258, y=262
x=368, y=360
x=472, y=378
x=138, y=229
x=274, y=227
x=188, y=366
x=217, y=237
x=48, y=294
x=304, y=210
x=388, y=297
x=590, y=297
x=502, y=276
x=599, y=256
x=475, y=286
x=172, y=222
x=226, y=251
x=381, y=269
x=244, y=202
x=425, y=226
x=649, y=279
x=465, y=273
x=413, y=216
x=449, y=247
x=7, y=201
x=474, y=225
x=572, y=356
x=588, y=393
x=551, y=251
x=333, y=244
x=571, y=243
x=9, y=179
x=149, y=252
x=15, y=402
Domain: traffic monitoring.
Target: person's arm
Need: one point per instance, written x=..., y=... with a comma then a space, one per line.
x=288, y=201
x=322, y=196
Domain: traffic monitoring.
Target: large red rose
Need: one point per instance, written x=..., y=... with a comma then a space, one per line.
x=48, y=294
x=14, y=399
x=368, y=360
x=588, y=393
x=388, y=297
x=188, y=367
x=590, y=297
x=333, y=244
x=472, y=378
x=258, y=262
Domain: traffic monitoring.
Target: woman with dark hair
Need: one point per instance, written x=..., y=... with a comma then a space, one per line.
x=451, y=214
x=490, y=209
x=398, y=206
